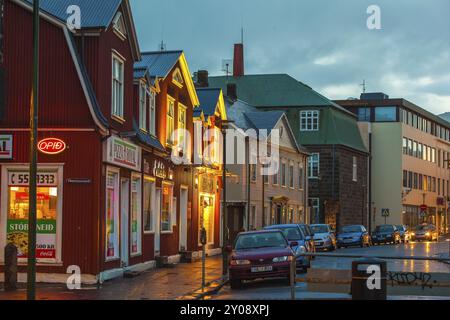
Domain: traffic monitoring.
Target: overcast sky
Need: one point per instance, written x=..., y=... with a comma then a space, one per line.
x=323, y=43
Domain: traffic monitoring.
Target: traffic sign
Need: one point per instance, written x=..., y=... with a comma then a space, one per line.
x=385, y=212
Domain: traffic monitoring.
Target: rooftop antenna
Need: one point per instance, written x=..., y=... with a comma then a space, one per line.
x=363, y=85
x=162, y=46
x=227, y=66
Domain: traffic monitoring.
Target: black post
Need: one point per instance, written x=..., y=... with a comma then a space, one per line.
x=31, y=270
x=247, y=163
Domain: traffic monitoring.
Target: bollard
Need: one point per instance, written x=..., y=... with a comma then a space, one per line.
x=369, y=279
x=293, y=274
x=10, y=267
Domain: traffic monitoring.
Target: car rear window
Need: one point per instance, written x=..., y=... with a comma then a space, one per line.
x=385, y=228
x=260, y=240
x=292, y=233
x=351, y=229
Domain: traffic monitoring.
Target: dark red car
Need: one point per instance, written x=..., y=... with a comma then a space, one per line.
x=260, y=254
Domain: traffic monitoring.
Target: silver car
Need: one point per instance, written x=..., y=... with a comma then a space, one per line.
x=324, y=237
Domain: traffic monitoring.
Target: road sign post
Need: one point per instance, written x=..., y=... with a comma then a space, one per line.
x=385, y=213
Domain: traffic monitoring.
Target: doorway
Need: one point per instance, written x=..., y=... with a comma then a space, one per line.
x=183, y=218
x=235, y=221
x=124, y=220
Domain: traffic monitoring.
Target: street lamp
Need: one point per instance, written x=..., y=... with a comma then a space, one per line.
x=225, y=235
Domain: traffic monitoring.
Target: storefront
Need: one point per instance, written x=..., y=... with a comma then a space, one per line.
x=15, y=211
x=123, y=205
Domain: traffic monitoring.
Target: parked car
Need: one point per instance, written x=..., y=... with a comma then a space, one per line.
x=355, y=235
x=427, y=232
x=294, y=234
x=386, y=233
x=309, y=237
x=324, y=237
x=260, y=254
x=405, y=235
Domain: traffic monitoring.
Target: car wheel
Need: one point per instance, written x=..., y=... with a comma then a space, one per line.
x=235, y=284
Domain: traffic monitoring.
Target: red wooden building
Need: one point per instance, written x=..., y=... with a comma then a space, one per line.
x=111, y=199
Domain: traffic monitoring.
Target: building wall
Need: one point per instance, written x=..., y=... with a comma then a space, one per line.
x=342, y=200
x=386, y=172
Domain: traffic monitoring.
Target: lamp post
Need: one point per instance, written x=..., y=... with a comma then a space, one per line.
x=31, y=268
x=225, y=235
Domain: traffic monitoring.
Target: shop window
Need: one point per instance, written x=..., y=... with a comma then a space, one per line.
x=206, y=218
x=17, y=221
x=112, y=215
x=166, y=210
x=136, y=214
x=149, y=192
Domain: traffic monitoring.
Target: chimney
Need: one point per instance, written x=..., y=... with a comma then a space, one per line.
x=238, y=62
x=202, y=79
x=232, y=91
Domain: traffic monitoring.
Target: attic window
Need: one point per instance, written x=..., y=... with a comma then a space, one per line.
x=177, y=78
x=119, y=25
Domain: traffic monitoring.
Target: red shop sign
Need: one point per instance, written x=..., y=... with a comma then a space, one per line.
x=51, y=146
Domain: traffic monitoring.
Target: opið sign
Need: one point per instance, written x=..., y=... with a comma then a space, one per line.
x=51, y=146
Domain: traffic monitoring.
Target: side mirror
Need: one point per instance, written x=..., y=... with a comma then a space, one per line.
x=294, y=244
x=228, y=249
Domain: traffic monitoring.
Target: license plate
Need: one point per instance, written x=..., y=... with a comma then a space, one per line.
x=262, y=269
x=348, y=240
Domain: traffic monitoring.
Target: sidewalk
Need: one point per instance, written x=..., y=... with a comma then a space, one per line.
x=157, y=284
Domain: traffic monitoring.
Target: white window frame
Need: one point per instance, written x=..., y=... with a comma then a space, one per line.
x=143, y=106
x=182, y=134
x=355, y=169
x=169, y=140
x=291, y=175
x=136, y=177
x=152, y=195
x=311, y=120
x=117, y=107
x=301, y=177
x=311, y=166
x=152, y=111
x=118, y=23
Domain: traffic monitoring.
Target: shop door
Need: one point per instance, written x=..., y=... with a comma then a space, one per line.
x=278, y=214
x=124, y=220
x=235, y=221
x=183, y=218
x=158, y=223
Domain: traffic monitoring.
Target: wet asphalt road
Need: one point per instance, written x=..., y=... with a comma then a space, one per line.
x=278, y=289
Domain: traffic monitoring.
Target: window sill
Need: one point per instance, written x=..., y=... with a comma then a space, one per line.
x=118, y=119
x=112, y=259
x=167, y=232
x=149, y=233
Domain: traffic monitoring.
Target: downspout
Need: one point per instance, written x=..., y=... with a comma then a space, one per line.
x=369, y=183
x=247, y=161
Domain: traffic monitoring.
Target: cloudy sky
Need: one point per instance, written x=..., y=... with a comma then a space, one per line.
x=324, y=43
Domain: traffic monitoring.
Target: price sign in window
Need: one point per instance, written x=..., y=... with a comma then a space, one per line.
x=17, y=221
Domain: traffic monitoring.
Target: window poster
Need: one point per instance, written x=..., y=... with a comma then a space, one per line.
x=112, y=218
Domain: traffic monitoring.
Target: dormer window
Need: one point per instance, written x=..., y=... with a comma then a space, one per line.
x=177, y=78
x=119, y=25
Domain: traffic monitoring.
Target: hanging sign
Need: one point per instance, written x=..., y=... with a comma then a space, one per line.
x=51, y=146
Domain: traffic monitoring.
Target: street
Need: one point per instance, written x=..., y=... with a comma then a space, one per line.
x=278, y=288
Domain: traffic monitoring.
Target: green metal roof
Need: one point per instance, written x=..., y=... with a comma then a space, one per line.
x=273, y=90
x=282, y=92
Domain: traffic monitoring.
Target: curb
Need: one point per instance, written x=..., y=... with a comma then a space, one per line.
x=212, y=287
